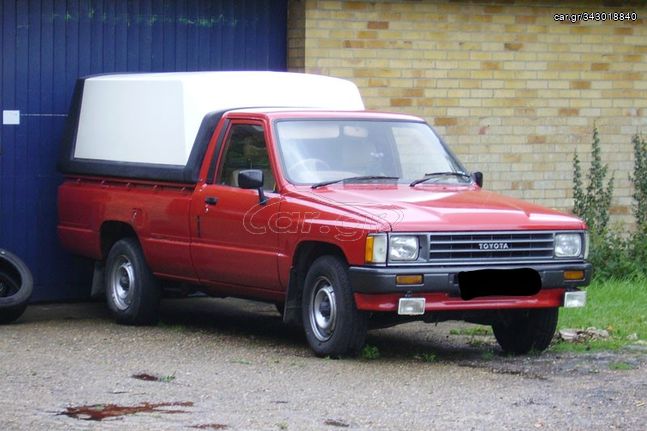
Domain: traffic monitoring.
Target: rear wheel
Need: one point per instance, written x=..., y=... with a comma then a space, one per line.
x=520, y=331
x=333, y=325
x=132, y=292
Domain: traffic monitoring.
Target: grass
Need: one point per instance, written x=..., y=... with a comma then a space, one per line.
x=426, y=357
x=487, y=356
x=619, y=306
x=620, y=366
x=167, y=379
x=479, y=335
x=370, y=352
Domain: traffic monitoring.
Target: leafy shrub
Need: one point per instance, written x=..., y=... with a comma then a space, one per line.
x=593, y=204
x=612, y=253
x=638, y=241
x=639, y=181
x=612, y=256
x=638, y=251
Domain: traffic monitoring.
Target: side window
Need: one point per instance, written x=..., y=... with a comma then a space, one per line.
x=245, y=148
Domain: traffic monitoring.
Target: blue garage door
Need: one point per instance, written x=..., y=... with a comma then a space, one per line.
x=48, y=44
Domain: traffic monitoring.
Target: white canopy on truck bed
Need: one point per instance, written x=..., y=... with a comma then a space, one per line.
x=153, y=118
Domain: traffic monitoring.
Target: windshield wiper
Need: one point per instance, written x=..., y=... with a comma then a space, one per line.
x=360, y=178
x=439, y=174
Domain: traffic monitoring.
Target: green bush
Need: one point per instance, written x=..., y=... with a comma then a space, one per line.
x=638, y=241
x=639, y=181
x=593, y=204
x=639, y=251
x=613, y=253
x=614, y=256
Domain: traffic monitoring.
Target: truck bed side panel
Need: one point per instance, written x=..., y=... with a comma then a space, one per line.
x=158, y=213
x=78, y=224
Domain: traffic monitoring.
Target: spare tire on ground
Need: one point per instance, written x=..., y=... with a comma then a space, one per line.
x=16, y=285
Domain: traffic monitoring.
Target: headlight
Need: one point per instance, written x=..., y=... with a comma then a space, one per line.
x=568, y=245
x=587, y=245
x=403, y=247
x=375, y=251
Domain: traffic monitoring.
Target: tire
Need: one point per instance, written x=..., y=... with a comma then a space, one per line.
x=520, y=331
x=16, y=286
x=333, y=325
x=132, y=292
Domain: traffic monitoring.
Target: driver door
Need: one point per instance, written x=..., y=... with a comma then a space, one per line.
x=233, y=245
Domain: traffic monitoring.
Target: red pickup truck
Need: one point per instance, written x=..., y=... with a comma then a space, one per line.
x=345, y=219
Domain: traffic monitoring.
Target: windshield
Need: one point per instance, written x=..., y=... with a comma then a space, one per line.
x=325, y=151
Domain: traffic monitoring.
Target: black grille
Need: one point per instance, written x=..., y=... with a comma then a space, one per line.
x=491, y=246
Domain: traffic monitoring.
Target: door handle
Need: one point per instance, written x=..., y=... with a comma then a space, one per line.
x=211, y=200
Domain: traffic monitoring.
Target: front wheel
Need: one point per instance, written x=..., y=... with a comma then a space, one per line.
x=333, y=325
x=132, y=291
x=520, y=331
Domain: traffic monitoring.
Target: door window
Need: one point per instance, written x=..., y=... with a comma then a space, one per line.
x=245, y=148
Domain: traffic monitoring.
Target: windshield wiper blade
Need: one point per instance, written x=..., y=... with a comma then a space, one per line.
x=439, y=174
x=360, y=178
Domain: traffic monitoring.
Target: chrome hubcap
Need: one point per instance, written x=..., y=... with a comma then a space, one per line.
x=121, y=282
x=323, y=309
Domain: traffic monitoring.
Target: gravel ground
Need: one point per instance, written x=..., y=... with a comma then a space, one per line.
x=231, y=364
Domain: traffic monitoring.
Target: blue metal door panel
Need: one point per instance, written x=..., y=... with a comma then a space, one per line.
x=47, y=44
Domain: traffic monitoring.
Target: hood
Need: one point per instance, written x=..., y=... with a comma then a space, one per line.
x=438, y=208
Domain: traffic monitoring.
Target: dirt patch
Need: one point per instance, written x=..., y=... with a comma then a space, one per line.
x=336, y=423
x=99, y=412
x=211, y=427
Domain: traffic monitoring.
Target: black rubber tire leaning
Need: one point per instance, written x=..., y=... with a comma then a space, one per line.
x=520, y=331
x=132, y=291
x=333, y=325
x=16, y=286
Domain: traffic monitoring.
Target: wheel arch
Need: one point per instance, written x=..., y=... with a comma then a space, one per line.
x=304, y=255
x=112, y=231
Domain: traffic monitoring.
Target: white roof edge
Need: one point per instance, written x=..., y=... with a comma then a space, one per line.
x=165, y=76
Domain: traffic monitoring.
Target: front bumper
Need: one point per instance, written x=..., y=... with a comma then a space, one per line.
x=445, y=279
x=375, y=288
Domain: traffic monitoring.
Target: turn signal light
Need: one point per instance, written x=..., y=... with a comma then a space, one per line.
x=375, y=251
x=408, y=279
x=573, y=275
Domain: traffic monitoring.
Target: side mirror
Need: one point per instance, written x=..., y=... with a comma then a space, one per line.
x=252, y=179
x=477, y=177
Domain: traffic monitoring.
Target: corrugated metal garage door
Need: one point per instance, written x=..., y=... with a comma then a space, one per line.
x=47, y=44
